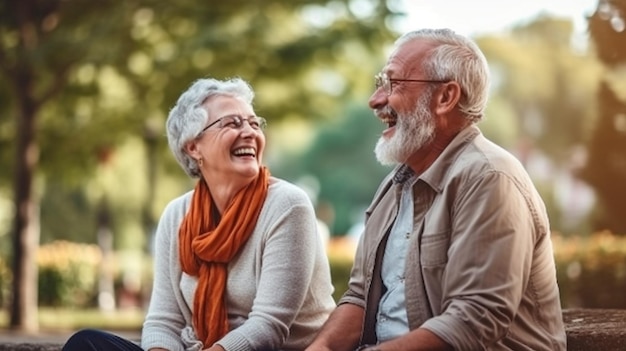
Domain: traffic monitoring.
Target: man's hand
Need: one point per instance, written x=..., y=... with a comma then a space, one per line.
x=342, y=330
x=417, y=340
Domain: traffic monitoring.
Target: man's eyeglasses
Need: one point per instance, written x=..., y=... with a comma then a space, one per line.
x=383, y=80
x=236, y=122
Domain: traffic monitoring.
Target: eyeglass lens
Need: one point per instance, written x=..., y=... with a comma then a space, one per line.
x=236, y=122
x=382, y=80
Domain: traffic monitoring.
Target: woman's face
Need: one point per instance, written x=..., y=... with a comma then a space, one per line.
x=230, y=152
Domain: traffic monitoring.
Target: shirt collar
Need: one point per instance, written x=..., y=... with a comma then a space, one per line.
x=402, y=174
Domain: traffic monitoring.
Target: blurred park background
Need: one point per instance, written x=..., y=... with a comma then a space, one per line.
x=85, y=87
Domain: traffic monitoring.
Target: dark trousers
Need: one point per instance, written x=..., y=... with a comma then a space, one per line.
x=97, y=340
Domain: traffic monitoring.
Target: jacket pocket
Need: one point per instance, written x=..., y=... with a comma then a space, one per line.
x=434, y=249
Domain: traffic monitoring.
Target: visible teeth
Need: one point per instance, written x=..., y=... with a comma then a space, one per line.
x=388, y=120
x=245, y=151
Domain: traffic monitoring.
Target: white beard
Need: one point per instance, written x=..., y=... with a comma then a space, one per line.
x=413, y=131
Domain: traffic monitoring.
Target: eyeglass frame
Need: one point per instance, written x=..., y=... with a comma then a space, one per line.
x=379, y=81
x=262, y=122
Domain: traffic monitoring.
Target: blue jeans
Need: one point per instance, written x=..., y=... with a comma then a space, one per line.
x=97, y=340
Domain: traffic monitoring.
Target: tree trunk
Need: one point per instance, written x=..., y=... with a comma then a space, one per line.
x=26, y=222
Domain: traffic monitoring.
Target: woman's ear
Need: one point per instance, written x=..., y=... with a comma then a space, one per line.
x=191, y=148
x=448, y=97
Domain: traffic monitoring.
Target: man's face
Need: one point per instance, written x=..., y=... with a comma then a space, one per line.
x=413, y=131
x=404, y=104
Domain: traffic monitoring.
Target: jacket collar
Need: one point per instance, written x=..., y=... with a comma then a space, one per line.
x=435, y=175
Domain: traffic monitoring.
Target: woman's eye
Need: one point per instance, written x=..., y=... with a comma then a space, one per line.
x=234, y=123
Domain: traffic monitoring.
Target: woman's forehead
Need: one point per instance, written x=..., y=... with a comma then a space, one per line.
x=227, y=104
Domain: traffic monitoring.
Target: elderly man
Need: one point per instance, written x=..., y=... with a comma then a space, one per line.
x=456, y=251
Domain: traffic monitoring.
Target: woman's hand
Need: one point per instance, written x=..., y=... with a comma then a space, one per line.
x=215, y=347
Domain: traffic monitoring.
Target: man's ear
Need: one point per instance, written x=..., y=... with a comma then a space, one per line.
x=448, y=97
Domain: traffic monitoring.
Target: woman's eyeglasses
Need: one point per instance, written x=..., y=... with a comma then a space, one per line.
x=236, y=122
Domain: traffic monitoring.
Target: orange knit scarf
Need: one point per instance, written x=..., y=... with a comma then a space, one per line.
x=206, y=247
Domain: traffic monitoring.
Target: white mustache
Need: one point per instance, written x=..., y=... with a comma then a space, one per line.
x=386, y=111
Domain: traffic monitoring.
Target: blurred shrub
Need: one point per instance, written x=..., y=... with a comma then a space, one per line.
x=68, y=274
x=340, y=273
x=591, y=271
x=340, y=251
x=133, y=278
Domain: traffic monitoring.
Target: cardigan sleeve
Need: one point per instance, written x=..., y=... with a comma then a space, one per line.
x=288, y=254
x=165, y=319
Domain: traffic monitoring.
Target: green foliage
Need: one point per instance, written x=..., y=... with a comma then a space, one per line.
x=53, y=287
x=545, y=84
x=67, y=214
x=44, y=54
x=97, y=74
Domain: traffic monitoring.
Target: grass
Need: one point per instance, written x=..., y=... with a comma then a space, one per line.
x=72, y=319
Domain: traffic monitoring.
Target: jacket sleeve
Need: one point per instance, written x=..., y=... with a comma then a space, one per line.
x=492, y=240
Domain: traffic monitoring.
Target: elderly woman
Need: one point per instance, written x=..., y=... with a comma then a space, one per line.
x=238, y=263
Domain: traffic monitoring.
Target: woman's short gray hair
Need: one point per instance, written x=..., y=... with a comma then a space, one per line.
x=187, y=118
x=457, y=58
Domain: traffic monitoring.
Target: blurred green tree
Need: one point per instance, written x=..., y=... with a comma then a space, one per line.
x=343, y=167
x=606, y=166
x=79, y=78
x=547, y=84
x=40, y=44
